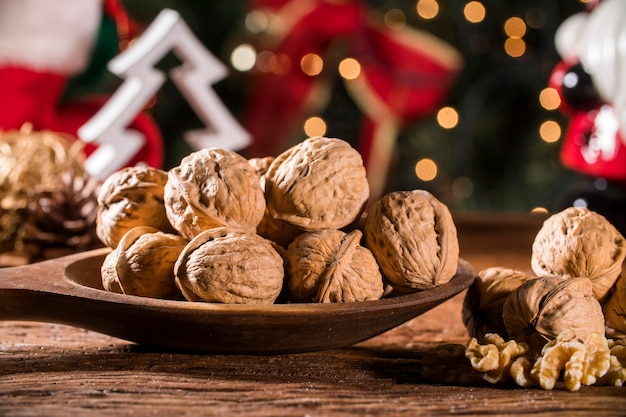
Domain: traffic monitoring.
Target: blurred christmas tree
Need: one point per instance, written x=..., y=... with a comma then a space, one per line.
x=494, y=143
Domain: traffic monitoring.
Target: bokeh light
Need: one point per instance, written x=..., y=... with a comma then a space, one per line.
x=515, y=27
x=549, y=98
x=462, y=188
x=311, y=64
x=447, y=117
x=536, y=17
x=349, y=68
x=395, y=19
x=315, y=126
x=550, y=131
x=256, y=21
x=474, y=12
x=243, y=57
x=427, y=9
x=426, y=169
x=515, y=47
x=265, y=61
x=283, y=64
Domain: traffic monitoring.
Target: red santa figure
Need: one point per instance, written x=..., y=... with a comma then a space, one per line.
x=44, y=45
x=591, y=80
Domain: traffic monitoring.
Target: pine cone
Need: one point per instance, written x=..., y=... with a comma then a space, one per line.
x=10, y=220
x=63, y=216
x=46, y=198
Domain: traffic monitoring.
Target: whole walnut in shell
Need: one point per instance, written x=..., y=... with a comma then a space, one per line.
x=413, y=238
x=328, y=265
x=143, y=264
x=278, y=231
x=319, y=183
x=230, y=265
x=578, y=242
x=129, y=198
x=542, y=308
x=213, y=188
x=484, y=300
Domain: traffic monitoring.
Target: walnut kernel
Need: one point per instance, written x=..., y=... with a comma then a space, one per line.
x=581, y=362
x=495, y=357
x=616, y=375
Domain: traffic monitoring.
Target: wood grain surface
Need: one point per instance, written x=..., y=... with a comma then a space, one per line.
x=56, y=370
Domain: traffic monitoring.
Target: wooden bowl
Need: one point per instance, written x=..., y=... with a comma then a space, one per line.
x=69, y=291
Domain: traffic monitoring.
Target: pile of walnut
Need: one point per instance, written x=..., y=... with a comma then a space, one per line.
x=221, y=228
x=557, y=320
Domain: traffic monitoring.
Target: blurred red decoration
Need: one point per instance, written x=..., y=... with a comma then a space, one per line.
x=33, y=89
x=405, y=75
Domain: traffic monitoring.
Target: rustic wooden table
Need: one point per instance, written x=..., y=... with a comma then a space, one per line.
x=56, y=370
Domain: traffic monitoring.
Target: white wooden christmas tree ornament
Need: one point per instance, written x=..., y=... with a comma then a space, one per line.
x=108, y=128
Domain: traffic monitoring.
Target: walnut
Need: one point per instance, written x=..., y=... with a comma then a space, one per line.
x=230, y=265
x=500, y=361
x=213, y=188
x=578, y=242
x=616, y=374
x=261, y=165
x=580, y=361
x=143, y=264
x=614, y=308
x=277, y=230
x=413, y=237
x=484, y=300
x=319, y=183
x=494, y=358
x=542, y=308
x=129, y=198
x=577, y=361
x=521, y=372
x=331, y=266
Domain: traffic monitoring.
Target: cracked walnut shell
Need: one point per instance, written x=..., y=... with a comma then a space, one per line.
x=484, y=300
x=213, y=188
x=578, y=242
x=614, y=308
x=129, y=198
x=143, y=264
x=230, y=265
x=319, y=183
x=542, y=308
x=329, y=265
x=413, y=238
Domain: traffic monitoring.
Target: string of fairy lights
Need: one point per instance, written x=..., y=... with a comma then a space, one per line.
x=245, y=58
